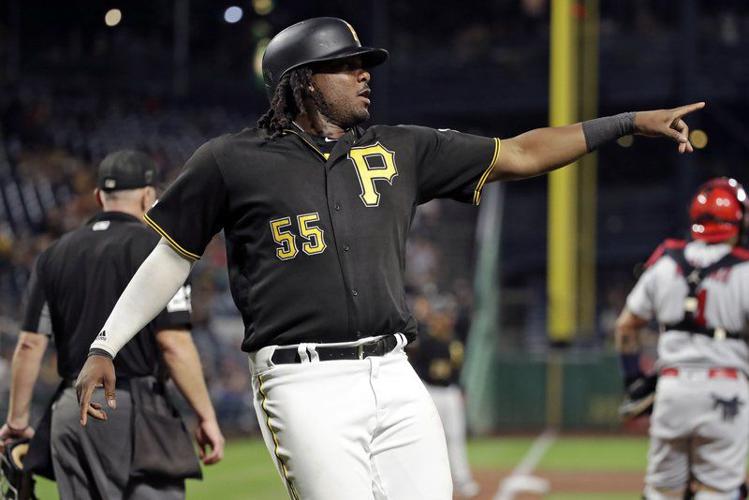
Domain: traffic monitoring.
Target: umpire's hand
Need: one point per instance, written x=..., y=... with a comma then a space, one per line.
x=8, y=434
x=210, y=441
x=97, y=371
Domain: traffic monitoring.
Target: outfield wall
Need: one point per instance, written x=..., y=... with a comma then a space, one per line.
x=585, y=389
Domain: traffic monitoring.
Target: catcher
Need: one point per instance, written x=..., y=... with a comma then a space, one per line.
x=698, y=292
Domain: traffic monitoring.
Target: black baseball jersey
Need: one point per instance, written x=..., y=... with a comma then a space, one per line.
x=316, y=241
x=76, y=282
x=437, y=361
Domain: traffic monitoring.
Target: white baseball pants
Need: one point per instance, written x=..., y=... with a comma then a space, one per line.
x=351, y=429
x=699, y=428
x=450, y=406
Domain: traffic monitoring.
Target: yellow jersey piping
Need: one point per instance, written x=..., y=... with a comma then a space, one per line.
x=172, y=243
x=317, y=150
x=487, y=172
x=292, y=492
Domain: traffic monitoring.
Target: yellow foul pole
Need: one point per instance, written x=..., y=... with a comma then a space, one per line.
x=587, y=187
x=562, y=284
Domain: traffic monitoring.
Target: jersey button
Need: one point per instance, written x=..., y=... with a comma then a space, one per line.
x=354, y=292
x=346, y=248
x=337, y=207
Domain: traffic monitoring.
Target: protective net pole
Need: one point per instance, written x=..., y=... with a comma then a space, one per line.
x=480, y=370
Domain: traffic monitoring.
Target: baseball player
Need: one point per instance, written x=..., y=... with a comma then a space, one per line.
x=698, y=291
x=73, y=286
x=437, y=357
x=315, y=211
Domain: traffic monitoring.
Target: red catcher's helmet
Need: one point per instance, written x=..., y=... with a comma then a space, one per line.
x=719, y=211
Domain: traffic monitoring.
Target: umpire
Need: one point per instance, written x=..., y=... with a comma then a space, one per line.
x=74, y=285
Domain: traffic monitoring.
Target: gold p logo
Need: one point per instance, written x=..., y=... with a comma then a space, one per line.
x=373, y=163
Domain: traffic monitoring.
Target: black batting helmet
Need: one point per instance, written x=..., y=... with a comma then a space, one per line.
x=314, y=40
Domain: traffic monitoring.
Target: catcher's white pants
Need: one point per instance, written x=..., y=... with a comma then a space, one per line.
x=450, y=406
x=351, y=429
x=699, y=429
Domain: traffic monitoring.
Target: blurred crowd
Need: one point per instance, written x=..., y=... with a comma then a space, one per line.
x=51, y=145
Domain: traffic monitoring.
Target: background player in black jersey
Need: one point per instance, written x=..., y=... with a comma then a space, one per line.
x=437, y=356
x=315, y=211
x=74, y=285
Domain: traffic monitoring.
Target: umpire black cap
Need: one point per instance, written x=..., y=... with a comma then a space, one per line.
x=126, y=169
x=314, y=40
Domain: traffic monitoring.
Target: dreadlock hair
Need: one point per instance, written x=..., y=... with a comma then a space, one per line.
x=287, y=102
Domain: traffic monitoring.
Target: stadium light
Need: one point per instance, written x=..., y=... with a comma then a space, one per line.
x=698, y=138
x=262, y=7
x=233, y=14
x=113, y=17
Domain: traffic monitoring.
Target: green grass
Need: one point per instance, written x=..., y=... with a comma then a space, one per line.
x=596, y=454
x=498, y=453
x=247, y=472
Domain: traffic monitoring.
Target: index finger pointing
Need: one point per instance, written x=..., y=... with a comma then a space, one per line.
x=688, y=108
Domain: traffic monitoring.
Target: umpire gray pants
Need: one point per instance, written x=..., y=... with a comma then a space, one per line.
x=93, y=462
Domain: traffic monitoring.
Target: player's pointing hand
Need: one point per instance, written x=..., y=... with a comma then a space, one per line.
x=668, y=123
x=98, y=371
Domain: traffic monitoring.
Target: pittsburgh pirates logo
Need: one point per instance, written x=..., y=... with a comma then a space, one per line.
x=373, y=163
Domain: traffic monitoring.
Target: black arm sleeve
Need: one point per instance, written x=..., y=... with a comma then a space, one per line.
x=35, y=310
x=192, y=210
x=453, y=164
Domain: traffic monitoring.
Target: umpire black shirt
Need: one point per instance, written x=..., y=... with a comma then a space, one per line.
x=316, y=241
x=76, y=282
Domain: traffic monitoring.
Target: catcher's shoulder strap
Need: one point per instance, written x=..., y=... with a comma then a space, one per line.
x=668, y=245
x=693, y=321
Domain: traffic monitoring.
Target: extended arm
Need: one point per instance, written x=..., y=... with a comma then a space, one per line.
x=545, y=149
x=182, y=360
x=154, y=284
x=27, y=360
x=639, y=388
